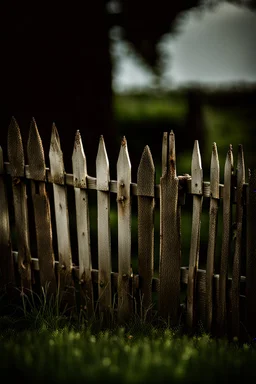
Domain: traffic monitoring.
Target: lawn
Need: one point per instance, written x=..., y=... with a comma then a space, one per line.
x=66, y=355
x=39, y=343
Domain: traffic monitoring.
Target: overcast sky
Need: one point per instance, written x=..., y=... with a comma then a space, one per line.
x=214, y=47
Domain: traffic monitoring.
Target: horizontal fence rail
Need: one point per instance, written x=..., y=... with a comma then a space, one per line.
x=222, y=304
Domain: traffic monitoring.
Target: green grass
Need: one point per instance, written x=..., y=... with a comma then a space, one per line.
x=70, y=356
x=45, y=345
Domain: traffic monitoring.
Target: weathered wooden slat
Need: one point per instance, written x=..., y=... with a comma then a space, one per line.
x=197, y=190
x=213, y=220
x=225, y=251
x=17, y=164
x=124, y=232
x=251, y=254
x=6, y=260
x=170, y=257
x=83, y=226
x=146, y=206
x=62, y=219
x=165, y=145
x=240, y=174
x=42, y=212
x=104, y=233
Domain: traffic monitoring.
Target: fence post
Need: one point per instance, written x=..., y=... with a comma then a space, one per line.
x=251, y=254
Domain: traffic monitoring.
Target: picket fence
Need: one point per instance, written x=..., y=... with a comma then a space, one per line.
x=218, y=301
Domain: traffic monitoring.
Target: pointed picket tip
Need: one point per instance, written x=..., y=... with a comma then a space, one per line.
x=196, y=171
x=102, y=167
x=15, y=150
x=79, y=163
x=229, y=164
x=172, y=154
x=123, y=158
x=215, y=173
x=146, y=174
x=35, y=152
x=78, y=149
x=78, y=144
x=164, y=152
x=56, y=157
x=240, y=165
x=55, y=139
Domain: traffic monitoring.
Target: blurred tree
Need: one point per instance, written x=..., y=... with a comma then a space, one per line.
x=56, y=63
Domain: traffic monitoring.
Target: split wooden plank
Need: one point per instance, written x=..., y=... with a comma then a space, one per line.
x=165, y=146
x=17, y=170
x=62, y=220
x=7, y=280
x=83, y=226
x=146, y=206
x=197, y=191
x=170, y=257
x=104, y=234
x=251, y=254
x=240, y=176
x=42, y=211
x=226, y=239
x=124, y=233
x=213, y=220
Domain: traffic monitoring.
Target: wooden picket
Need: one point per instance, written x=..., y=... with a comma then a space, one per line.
x=124, y=232
x=146, y=206
x=197, y=191
x=240, y=176
x=170, y=257
x=213, y=216
x=42, y=212
x=225, y=250
x=251, y=253
x=61, y=217
x=104, y=235
x=83, y=226
x=209, y=295
x=6, y=260
x=17, y=171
